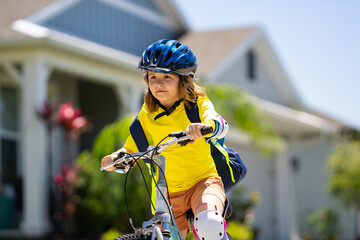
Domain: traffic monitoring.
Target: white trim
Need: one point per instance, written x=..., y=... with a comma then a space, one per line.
x=52, y=10
x=30, y=29
x=140, y=12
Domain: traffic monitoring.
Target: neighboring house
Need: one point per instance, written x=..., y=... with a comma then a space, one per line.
x=293, y=182
x=86, y=52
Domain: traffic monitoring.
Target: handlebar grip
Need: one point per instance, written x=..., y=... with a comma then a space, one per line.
x=206, y=130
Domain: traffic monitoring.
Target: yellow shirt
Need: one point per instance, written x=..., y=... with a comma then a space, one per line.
x=185, y=165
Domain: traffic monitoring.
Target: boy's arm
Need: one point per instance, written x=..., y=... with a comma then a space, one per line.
x=209, y=116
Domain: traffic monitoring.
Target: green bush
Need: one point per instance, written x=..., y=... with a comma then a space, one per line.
x=344, y=173
x=240, y=231
x=102, y=203
x=110, y=234
x=325, y=222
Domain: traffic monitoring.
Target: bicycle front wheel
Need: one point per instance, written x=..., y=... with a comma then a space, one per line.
x=133, y=236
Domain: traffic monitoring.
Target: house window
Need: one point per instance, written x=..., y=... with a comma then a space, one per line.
x=9, y=133
x=8, y=161
x=8, y=108
x=251, y=65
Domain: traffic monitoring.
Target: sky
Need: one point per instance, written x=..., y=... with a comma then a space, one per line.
x=316, y=42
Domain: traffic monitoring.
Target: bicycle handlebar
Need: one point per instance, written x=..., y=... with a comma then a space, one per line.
x=179, y=137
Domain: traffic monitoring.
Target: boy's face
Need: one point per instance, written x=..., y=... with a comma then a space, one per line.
x=164, y=87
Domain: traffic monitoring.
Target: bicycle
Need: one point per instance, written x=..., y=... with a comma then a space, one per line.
x=162, y=225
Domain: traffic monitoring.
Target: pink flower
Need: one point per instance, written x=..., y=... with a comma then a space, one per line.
x=67, y=114
x=79, y=123
x=71, y=176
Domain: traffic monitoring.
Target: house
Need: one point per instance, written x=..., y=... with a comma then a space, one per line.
x=86, y=52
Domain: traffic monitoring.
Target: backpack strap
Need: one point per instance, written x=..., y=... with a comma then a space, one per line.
x=219, y=144
x=138, y=134
x=193, y=112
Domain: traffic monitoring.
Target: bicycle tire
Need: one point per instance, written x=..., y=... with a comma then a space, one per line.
x=133, y=236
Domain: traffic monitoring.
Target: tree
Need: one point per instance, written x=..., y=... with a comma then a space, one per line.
x=344, y=174
x=241, y=109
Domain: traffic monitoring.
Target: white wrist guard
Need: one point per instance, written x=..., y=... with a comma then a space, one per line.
x=221, y=128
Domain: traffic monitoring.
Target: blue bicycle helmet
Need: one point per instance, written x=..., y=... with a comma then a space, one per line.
x=168, y=56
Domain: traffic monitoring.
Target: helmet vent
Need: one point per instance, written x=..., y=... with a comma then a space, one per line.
x=167, y=57
x=157, y=53
x=148, y=54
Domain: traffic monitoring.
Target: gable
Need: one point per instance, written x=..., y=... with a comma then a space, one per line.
x=260, y=85
x=124, y=25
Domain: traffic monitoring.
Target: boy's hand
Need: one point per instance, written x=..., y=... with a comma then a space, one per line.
x=194, y=130
x=107, y=160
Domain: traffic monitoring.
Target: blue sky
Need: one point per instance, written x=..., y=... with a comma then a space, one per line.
x=317, y=43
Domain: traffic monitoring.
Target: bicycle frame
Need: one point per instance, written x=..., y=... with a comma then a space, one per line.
x=162, y=215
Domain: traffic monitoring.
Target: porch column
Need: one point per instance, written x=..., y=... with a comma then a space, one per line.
x=34, y=163
x=285, y=200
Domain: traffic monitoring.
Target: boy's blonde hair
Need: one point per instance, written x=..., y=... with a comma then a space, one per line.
x=189, y=91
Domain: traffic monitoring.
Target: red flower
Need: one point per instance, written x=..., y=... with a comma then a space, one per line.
x=45, y=111
x=58, y=179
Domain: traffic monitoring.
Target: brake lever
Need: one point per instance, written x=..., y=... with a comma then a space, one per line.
x=185, y=142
